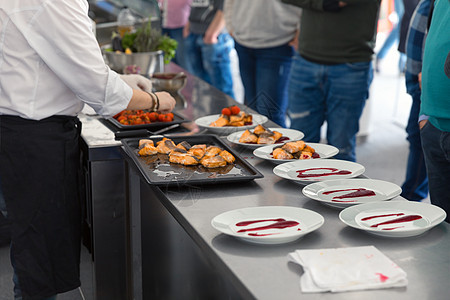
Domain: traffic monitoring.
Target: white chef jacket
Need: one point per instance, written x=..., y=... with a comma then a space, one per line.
x=51, y=63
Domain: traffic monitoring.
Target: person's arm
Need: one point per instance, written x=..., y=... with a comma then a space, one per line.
x=143, y=98
x=215, y=28
x=228, y=14
x=161, y=102
x=186, y=30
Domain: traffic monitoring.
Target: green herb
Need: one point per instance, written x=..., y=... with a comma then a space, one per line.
x=168, y=46
x=128, y=41
x=147, y=39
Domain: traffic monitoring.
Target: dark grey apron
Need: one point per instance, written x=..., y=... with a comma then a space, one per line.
x=39, y=171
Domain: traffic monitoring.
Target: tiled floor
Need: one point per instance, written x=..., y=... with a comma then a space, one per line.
x=382, y=149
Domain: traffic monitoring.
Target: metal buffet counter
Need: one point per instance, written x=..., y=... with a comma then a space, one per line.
x=173, y=252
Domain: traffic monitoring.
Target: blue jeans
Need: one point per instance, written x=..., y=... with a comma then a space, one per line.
x=211, y=62
x=332, y=93
x=180, y=56
x=436, y=148
x=415, y=186
x=264, y=74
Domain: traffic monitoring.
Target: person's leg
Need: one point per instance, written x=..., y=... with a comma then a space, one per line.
x=415, y=186
x=247, y=69
x=193, y=52
x=348, y=88
x=273, y=67
x=306, y=106
x=436, y=149
x=217, y=63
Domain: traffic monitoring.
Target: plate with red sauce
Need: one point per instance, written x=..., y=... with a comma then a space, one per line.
x=343, y=193
x=310, y=170
x=268, y=224
x=321, y=151
x=205, y=122
x=288, y=135
x=393, y=218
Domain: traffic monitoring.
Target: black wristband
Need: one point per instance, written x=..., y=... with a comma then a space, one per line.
x=157, y=102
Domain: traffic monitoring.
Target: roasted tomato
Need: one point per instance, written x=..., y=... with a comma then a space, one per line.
x=226, y=111
x=153, y=116
x=235, y=110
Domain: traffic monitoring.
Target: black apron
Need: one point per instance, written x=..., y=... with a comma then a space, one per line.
x=40, y=176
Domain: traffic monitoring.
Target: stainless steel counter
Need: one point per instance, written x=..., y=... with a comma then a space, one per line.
x=264, y=269
x=172, y=240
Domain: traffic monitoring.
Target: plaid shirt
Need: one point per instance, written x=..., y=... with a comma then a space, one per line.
x=415, y=40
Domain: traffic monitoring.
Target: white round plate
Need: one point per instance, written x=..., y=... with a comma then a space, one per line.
x=417, y=217
x=324, y=151
x=332, y=192
x=204, y=122
x=313, y=167
x=291, y=134
x=267, y=216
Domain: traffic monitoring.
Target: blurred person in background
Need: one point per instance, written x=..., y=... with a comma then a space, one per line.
x=50, y=67
x=393, y=36
x=409, y=6
x=265, y=34
x=332, y=71
x=415, y=186
x=208, y=44
x=175, y=14
x=434, y=116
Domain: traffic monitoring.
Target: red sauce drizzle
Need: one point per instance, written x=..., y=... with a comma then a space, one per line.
x=358, y=192
x=315, y=155
x=383, y=277
x=246, y=223
x=282, y=140
x=278, y=224
x=333, y=171
x=409, y=218
x=261, y=234
x=393, y=228
x=381, y=216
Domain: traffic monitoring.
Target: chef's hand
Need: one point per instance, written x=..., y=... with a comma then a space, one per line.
x=166, y=102
x=137, y=82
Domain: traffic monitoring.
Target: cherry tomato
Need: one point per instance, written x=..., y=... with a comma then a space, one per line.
x=235, y=110
x=153, y=116
x=226, y=111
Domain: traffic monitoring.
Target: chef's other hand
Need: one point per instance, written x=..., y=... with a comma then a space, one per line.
x=137, y=82
x=166, y=102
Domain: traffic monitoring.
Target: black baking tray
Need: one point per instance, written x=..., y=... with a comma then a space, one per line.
x=177, y=119
x=157, y=169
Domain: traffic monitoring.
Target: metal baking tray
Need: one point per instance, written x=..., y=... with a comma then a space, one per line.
x=177, y=119
x=157, y=169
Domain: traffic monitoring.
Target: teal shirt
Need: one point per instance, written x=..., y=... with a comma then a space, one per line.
x=435, y=84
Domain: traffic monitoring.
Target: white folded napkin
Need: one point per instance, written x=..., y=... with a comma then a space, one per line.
x=347, y=269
